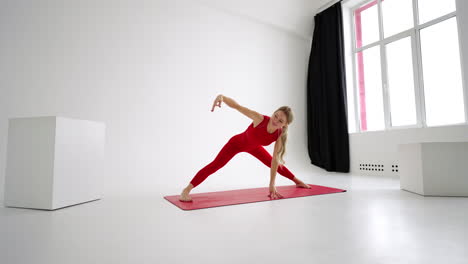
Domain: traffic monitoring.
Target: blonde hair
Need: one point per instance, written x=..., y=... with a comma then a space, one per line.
x=284, y=135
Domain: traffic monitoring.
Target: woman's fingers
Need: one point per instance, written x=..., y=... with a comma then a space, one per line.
x=275, y=195
x=217, y=103
x=214, y=105
x=278, y=195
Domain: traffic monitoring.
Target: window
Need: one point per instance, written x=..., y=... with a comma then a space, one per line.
x=442, y=74
x=370, y=89
x=401, y=82
x=407, y=69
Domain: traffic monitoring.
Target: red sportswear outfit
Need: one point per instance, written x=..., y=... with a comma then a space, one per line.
x=250, y=141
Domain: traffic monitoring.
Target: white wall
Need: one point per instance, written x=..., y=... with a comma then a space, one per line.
x=150, y=69
x=296, y=16
x=382, y=147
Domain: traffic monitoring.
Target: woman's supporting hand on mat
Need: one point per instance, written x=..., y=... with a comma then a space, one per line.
x=184, y=196
x=274, y=194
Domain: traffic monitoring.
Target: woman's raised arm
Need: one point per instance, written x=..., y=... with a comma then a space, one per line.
x=255, y=116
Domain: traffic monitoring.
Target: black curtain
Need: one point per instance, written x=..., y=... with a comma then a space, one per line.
x=328, y=140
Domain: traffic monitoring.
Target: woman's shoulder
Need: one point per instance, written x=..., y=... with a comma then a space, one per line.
x=265, y=119
x=259, y=122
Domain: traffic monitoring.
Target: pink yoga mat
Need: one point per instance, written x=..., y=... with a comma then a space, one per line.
x=223, y=198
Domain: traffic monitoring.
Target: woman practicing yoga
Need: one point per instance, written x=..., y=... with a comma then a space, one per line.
x=262, y=132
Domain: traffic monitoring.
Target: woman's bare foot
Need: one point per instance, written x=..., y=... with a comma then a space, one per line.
x=300, y=184
x=184, y=196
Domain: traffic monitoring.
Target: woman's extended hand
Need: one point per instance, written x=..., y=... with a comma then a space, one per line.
x=217, y=102
x=274, y=194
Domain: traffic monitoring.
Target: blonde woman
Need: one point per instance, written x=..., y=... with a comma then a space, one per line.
x=263, y=131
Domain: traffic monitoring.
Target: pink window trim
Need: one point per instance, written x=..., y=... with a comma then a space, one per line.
x=357, y=15
x=366, y=6
x=362, y=91
x=360, y=63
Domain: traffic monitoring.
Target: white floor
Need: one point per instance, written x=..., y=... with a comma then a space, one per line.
x=374, y=222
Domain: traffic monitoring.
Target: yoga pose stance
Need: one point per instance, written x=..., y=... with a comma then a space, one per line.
x=262, y=132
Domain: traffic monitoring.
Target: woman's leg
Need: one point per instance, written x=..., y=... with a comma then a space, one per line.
x=262, y=154
x=265, y=157
x=227, y=152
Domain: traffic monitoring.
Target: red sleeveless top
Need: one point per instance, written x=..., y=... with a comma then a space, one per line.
x=255, y=136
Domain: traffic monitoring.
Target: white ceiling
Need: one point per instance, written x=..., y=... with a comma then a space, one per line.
x=296, y=16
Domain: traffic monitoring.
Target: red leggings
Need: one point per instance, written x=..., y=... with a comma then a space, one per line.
x=230, y=150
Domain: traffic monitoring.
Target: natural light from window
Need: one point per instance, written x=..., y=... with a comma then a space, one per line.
x=442, y=74
x=431, y=9
x=371, y=91
x=407, y=65
x=369, y=19
x=397, y=16
x=401, y=83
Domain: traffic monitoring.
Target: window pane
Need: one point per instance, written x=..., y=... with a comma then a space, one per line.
x=370, y=90
x=397, y=16
x=401, y=82
x=442, y=74
x=366, y=24
x=432, y=9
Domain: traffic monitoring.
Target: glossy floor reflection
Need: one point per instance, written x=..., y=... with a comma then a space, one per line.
x=373, y=222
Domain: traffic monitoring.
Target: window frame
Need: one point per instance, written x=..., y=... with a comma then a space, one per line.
x=414, y=35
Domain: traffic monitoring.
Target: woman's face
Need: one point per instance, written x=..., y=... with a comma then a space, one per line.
x=279, y=120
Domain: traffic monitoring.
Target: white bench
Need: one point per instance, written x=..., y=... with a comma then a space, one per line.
x=53, y=162
x=434, y=168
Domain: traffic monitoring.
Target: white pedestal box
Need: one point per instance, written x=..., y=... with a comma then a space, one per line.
x=53, y=162
x=434, y=168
